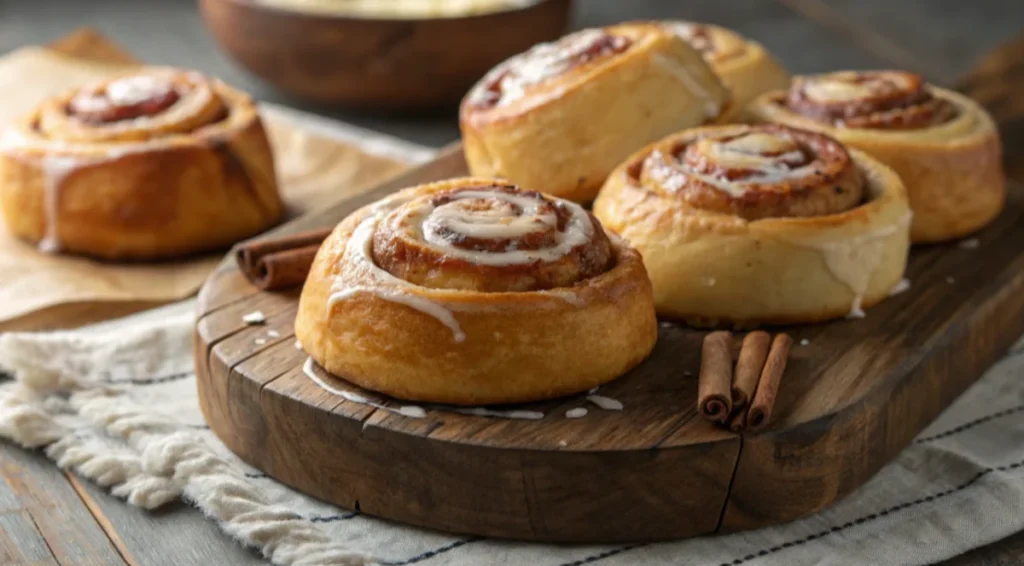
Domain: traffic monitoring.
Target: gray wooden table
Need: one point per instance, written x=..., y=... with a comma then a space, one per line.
x=48, y=517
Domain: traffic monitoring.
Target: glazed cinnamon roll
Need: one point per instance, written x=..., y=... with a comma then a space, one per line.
x=471, y=291
x=744, y=65
x=942, y=144
x=562, y=115
x=155, y=164
x=746, y=225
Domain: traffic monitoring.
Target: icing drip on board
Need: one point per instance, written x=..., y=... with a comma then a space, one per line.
x=606, y=403
x=311, y=370
x=901, y=287
x=496, y=413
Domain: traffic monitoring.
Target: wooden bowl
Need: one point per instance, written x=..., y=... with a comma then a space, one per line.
x=380, y=63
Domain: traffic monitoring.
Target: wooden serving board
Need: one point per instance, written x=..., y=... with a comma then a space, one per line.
x=856, y=392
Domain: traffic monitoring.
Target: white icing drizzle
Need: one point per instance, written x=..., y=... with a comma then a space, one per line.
x=310, y=369
x=771, y=157
x=56, y=168
x=358, y=250
x=853, y=261
x=568, y=296
x=498, y=414
x=902, y=286
x=845, y=86
x=425, y=306
x=577, y=413
x=855, y=309
x=712, y=107
x=969, y=244
x=606, y=403
x=426, y=216
x=541, y=63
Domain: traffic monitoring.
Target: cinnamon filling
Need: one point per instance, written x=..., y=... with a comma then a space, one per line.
x=755, y=172
x=545, y=62
x=124, y=99
x=491, y=238
x=874, y=99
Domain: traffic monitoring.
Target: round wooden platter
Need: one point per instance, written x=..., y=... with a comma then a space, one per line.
x=855, y=393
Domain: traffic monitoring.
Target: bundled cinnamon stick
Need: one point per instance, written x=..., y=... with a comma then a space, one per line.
x=753, y=353
x=714, y=398
x=768, y=386
x=281, y=262
x=744, y=399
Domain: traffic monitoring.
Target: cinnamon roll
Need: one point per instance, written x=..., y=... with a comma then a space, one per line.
x=562, y=115
x=745, y=225
x=744, y=65
x=471, y=291
x=155, y=164
x=942, y=144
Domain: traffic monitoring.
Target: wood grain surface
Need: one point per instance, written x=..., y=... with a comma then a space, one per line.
x=181, y=530
x=853, y=397
x=851, y=400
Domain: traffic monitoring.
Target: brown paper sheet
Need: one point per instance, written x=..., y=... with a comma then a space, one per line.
x=48, y=291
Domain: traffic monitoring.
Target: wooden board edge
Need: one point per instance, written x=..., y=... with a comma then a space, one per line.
x=228, y=395
x=889, y=416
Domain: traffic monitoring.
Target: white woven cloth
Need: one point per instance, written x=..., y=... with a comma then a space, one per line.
x=117, y=404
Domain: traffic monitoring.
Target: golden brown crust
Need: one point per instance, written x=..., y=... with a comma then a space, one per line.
x=944, y=146
x=564, y=125
x=744, y=65
x=468, y=347
x=715, y=268
x=139, y=174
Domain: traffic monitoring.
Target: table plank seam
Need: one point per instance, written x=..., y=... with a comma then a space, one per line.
x=35, y=525
x=105, y=526
x=728, y=489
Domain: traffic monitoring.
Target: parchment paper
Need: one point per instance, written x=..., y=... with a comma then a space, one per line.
x=48, y=291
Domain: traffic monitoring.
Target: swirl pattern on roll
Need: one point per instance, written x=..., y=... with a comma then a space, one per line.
x=136, y=107
x=869, y=99
x=715, y=44
x=160, y=162
x=515, y=78
x=490, y=238
x=754, y=172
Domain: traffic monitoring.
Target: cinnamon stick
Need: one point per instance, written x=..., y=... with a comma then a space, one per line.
x=738, y=420
x=753, y=353
x=281, y=262
x=761, y=406
x=714, y=398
